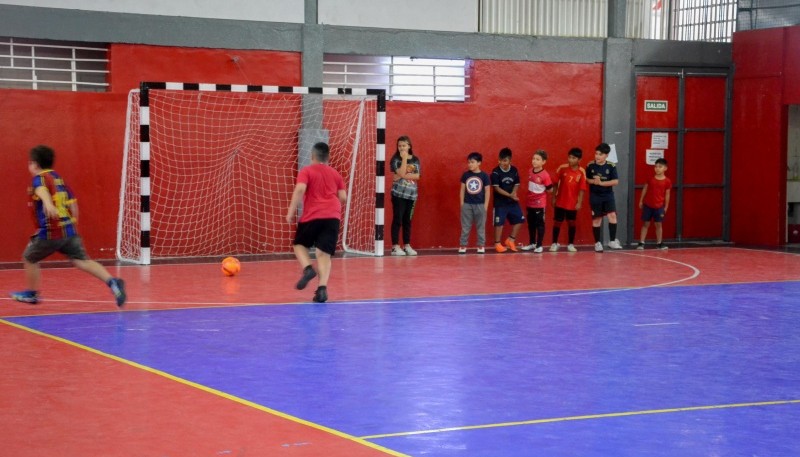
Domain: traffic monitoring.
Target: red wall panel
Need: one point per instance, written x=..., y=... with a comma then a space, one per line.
x=758, y=53
x=758, y=171
x=131, y=64
x=767, y=78
x=86, y=130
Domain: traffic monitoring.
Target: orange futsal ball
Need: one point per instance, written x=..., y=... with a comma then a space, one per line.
x=231, y=266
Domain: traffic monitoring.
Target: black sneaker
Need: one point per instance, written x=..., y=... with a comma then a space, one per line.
x=308, y=275
x=640, y=246
x=321, y=295
x=117, y=286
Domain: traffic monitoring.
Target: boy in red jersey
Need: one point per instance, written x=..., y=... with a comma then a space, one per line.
x=321, y=189
x=654, y=203
x=539, y=183
x=568, y=197
x=56, y=211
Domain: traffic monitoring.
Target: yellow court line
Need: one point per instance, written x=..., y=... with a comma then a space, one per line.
x=209, y=390
x=590, y=416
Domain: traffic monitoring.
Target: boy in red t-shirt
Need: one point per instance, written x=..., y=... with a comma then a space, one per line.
x=539, y=182
x=654, y=203
x=321, y=190
x=568, y=197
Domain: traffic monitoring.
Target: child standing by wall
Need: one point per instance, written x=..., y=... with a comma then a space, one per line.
x=568, y=197
x=539, y=183
x=405, y=169
x=602, y=177
x=474, y=198
x=505, y=181
x=654, y=203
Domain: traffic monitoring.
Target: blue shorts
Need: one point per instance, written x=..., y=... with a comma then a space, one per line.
x=513, y=213
x=652, y=214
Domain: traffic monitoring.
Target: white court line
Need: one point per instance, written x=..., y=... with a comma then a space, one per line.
x=658, y=323
x=452, y=299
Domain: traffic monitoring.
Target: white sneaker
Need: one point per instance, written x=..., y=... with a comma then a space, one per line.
x=554, y=247
x=481, y=250
x=598, y=247
x=529, y=247
x=538, y=250
x=615, y=244
x=462, y=250
x=571, y=248
x=410, y=251
x=397, y=251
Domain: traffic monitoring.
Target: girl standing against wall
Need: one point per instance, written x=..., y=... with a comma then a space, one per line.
x=405, y=175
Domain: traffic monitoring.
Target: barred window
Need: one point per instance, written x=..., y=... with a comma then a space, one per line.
x=403, y=78
x=53, y=65
x=703, y=20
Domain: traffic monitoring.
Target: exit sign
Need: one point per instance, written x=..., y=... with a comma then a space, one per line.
x=655, y=105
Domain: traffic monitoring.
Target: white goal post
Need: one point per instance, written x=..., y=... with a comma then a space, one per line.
x=209, y=169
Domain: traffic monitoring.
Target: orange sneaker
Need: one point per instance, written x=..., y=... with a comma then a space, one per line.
x=499, y=247
x=511, y=244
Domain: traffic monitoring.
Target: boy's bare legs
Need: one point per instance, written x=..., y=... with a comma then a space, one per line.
x=645, y=228
x=33, y=275
x=659, y=232
x=323, y=267
x=93, y=268
x=116, y=285
x=302, y=255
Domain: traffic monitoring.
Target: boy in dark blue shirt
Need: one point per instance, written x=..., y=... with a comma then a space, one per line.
x=602, y=177
x=505, y=181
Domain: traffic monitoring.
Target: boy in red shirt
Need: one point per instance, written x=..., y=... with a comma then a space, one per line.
x=654, y=202
x=321, y=190
x=568, y=197
x=539, y=182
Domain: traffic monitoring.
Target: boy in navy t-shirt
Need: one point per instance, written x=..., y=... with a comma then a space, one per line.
x=602, y=177
x=475, y=188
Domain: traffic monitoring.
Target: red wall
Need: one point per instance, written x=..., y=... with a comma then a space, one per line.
x=522, y=105
x=87, y=131
x=766, y=79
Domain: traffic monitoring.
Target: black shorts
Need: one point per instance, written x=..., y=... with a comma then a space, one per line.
x=322, y=233
x=39, y=249
x=602, y=205
x=559, y=214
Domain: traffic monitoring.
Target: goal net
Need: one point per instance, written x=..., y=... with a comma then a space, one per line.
x=209, y=170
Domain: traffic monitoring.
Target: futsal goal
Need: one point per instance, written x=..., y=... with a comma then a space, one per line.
x=209, y=169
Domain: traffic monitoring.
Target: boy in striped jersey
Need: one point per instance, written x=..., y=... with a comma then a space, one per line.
x=55, y=209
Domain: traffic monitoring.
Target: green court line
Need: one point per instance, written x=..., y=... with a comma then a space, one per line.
x=586, y=417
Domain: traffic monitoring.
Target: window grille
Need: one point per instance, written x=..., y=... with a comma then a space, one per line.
x=403, y=78
x=700, y=20
x=703, y=20
x=53, y=65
